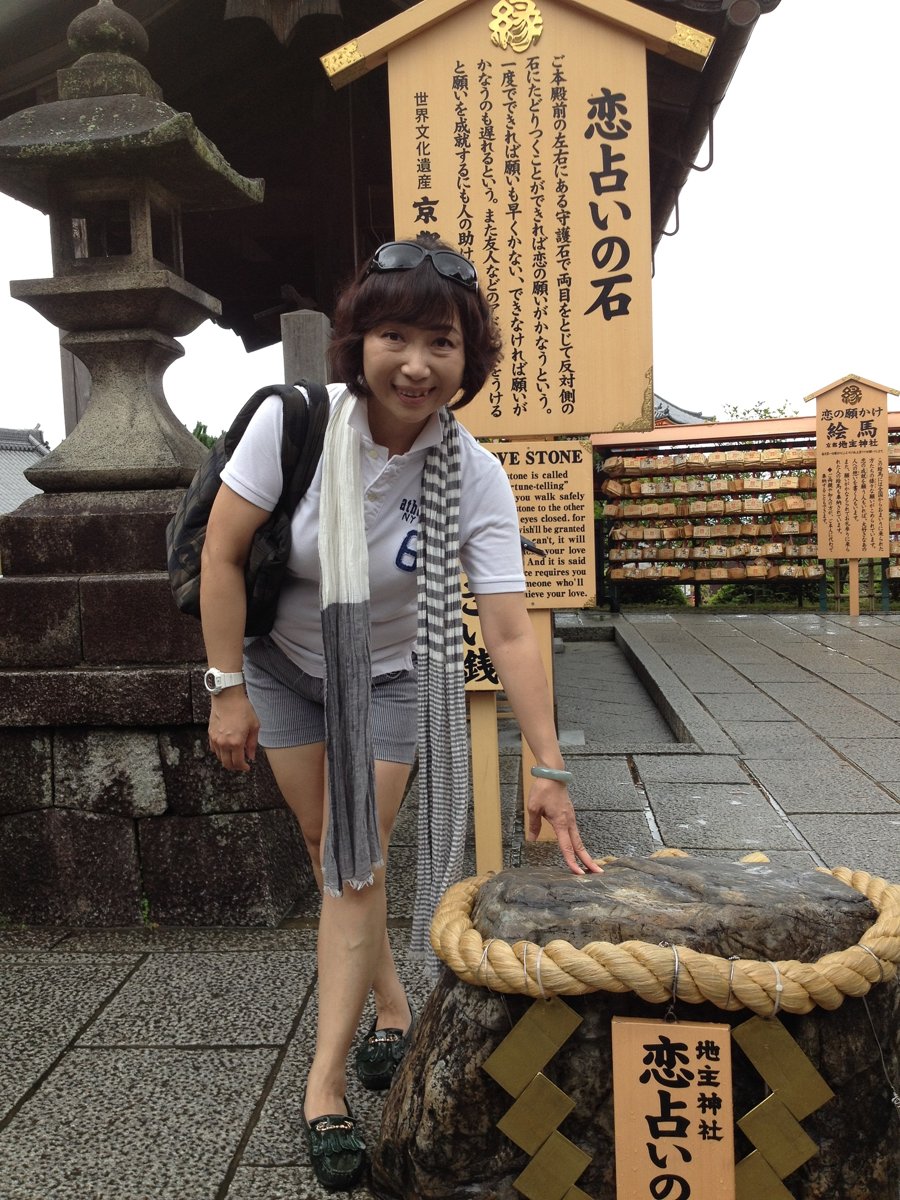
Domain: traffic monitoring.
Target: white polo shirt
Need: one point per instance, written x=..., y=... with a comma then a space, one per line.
x=490, y=550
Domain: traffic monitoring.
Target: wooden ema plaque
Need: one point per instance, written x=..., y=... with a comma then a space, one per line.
x=674, y=1119
x=514, y=141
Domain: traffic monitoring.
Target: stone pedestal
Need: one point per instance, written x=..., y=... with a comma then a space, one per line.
x=112, y=809
x=109, y=814
x=439, y=1127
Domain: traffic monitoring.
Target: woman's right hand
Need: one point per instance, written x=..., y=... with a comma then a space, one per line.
x=233, y=729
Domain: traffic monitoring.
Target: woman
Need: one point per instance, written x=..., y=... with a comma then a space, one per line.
x=371, y=605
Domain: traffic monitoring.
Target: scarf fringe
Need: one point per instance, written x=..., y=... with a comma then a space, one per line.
x=356, y=884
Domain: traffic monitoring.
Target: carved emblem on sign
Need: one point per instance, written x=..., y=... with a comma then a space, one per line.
x=345, y=56
x=517, y=24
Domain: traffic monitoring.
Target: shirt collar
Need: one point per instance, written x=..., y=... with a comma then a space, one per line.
x=430, y=436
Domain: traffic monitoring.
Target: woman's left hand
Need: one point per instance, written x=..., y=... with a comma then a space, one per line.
x=550, y=800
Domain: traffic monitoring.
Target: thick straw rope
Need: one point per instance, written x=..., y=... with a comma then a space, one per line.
x=558, y=969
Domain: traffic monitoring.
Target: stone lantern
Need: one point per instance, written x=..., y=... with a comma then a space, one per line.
x=111, y=807
x=115, y=167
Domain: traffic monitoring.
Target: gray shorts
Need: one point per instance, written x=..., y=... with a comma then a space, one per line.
x=291, y=704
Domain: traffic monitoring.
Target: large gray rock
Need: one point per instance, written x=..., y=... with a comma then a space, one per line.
x=439, y=1128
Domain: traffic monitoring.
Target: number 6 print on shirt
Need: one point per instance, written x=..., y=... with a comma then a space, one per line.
x=406, y=555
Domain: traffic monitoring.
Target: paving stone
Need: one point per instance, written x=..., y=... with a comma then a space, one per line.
x=800, y=697
x=865, y=683
x=888, y=706
x=619, y=833
x=778, y=671
x=604, y=783
x=45, y=999
x=598, y=693
x=710, y=680
x=132, y=1124
x=161, y=939
x=401, y=878
x=23, y=937
x=706, y=768
x=865, y=843
x=842, y=721
x=405, y=832
x=800, y=860
x=820, y=785
x=766, y=739
x=689, y=721
x=743, y=707
x=879, y=757
x=201, y=999
x=709, y=815
x=282, y=1183
x=625, y=746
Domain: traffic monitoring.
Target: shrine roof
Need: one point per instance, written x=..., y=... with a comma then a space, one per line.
x=19, y=449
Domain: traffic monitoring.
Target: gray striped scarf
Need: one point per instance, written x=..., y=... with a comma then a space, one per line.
x=352, y=849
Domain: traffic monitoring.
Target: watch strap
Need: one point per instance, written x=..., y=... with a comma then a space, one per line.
x=216, y=681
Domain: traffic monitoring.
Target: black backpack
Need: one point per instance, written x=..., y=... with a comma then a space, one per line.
x=301, y=448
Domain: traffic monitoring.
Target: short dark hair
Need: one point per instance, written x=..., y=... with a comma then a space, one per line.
x=418, y=296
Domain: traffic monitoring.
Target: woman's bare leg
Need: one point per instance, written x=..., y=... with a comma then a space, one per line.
x=354, y=953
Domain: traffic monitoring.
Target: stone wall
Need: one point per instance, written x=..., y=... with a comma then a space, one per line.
x=112, y=809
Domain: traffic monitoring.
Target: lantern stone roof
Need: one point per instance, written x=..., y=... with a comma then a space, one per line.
x=110, y=119
x=248, y=72
x=19, y=449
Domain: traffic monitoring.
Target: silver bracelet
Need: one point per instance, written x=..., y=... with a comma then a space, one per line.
x=552, y=773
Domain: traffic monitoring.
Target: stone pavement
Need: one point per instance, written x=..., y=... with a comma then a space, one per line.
x=167, y=1064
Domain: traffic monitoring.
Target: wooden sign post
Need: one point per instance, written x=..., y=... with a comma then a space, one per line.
x=482, y=686
x=852, y=474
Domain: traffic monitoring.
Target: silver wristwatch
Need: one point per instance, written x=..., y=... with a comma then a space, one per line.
x=216, y=681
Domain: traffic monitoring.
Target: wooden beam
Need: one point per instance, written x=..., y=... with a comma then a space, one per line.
x=716, y=431
x=486, y=782
x=671, y=39
x=879, y=387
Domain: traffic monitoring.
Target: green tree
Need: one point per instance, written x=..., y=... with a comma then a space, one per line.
x=759, y=412
x=202, y=434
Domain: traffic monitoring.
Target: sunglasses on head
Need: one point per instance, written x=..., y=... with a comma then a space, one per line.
x=404, y=256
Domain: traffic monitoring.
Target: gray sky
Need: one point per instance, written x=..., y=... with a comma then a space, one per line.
x=780, y=280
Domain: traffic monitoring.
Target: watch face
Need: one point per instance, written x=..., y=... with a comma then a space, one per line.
x=210, y=682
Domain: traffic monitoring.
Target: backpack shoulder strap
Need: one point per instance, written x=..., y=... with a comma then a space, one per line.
x=303, y=433
x=291, y=398
x=305, y=454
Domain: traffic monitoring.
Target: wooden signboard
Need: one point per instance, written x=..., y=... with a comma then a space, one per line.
x=480, y=672
x=852, y=469
x=852, y=474
x=554, y=490
x=674, y=1119
x=519, y=132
